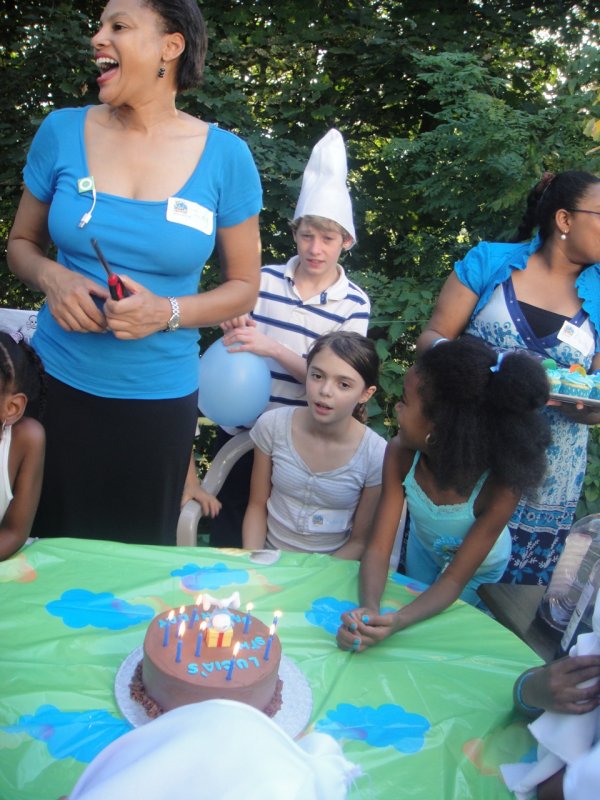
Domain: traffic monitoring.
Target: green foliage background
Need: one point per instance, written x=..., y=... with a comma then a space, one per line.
x=450, y=114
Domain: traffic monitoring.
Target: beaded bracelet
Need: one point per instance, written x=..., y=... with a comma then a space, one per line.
x=518, y=689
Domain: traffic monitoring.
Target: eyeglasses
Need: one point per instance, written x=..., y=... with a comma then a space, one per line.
x=582, y=211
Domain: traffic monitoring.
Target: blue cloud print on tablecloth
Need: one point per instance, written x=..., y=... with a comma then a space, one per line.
x=71, y=734
x=78, y=608
x=195, y=577
x=386, y=726
x=410, y=583
x=326, y=612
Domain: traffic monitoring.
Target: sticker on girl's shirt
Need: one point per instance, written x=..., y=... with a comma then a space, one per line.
x=578, y=338
x=185, y=212
x=327, y=521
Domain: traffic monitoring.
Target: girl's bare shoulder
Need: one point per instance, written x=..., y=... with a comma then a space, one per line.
x=399, y=454
x=28, y=433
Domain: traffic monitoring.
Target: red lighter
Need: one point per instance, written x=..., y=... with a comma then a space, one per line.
x=116, y=286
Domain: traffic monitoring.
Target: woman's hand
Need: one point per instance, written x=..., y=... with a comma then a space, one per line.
x=365, y=627
x=577, y=412
x=70, y=298
x=555, y=687
x=73, y=300
x=139, y=315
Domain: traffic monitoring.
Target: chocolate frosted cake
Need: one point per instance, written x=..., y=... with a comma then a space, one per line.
x=188, y=658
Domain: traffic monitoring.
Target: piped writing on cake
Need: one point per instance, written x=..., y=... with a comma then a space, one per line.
x=205, y=668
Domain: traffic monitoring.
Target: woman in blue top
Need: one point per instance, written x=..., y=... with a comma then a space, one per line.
x=157, y=188
x=543, y=296
x=470, y=439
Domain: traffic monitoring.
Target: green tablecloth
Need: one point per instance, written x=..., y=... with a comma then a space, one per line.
x=427, y=714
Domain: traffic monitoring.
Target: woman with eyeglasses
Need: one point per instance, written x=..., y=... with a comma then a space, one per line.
x=540, y=294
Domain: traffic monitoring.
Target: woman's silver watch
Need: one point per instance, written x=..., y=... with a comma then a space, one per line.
x=175, y=320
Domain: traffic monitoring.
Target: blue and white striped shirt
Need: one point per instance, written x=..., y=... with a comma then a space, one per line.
x=295, y=323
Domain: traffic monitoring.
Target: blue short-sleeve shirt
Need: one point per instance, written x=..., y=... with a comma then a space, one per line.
x=489, y=264
x=152, y=242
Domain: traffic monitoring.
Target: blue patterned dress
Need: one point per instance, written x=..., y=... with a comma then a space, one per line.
x=542, y=518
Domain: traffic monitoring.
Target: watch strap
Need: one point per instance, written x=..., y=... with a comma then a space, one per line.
x=174, y=321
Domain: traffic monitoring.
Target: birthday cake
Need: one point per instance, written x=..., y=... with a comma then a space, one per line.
x=203, y=653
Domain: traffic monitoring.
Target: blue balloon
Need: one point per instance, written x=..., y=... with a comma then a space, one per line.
x=233, y=388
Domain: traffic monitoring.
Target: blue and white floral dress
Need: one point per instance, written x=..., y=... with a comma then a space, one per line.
x=543, y=517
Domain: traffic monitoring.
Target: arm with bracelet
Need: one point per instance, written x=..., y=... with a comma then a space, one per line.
x=556, y=687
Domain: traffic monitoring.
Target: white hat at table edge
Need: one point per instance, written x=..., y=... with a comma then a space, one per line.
x=324, y=192
x=216, y=750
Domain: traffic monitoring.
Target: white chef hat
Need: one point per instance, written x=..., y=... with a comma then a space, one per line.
x=216, y=749
x=324, y=192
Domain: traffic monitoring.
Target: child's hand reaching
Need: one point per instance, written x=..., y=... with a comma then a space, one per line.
x=237, y=322
x=193, y=490
x=249, y=339
x=208, y=502
x=364, y=627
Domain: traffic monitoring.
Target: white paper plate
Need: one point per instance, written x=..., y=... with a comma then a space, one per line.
x=265, y=557
x=292, y=717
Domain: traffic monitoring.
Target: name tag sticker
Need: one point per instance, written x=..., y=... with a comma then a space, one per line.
x=579, y=339
x=185, y=212
x=327, y=521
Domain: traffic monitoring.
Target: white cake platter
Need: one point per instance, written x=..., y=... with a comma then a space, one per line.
x=572, y=398
x=292, y=717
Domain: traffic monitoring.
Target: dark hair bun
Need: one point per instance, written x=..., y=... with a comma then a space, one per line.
x=458, y=372
x=519, y=385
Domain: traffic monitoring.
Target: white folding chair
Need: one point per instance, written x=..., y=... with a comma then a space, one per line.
x=219, y=469
x=241, y=443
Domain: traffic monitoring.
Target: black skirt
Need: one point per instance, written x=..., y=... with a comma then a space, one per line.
x=115, y=469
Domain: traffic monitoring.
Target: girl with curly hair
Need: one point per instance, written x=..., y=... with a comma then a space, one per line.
x=539, y=293
x=470, y=440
